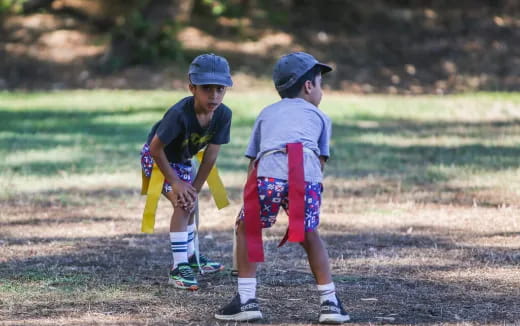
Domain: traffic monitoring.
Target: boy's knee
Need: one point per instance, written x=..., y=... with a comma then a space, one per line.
x=180, y=213
x=311, y=237
x=239, y=226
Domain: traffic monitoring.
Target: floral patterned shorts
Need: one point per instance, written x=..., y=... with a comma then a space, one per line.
x=273, y=194
x=183, y=170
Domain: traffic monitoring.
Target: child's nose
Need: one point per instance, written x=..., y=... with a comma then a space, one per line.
x=214, y=93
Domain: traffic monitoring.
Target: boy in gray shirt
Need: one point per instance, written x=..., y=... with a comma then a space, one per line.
x=288, y=148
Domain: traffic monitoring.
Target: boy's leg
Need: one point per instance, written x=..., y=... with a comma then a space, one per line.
x=191, y=228
x=206, y=264
x=244, y=306
x=318, y=257
x=179, y=220
x=181, y=275
x=234, y=268
x=246, y=268
x=178, y=236
x=313, y=245
x=331, y=309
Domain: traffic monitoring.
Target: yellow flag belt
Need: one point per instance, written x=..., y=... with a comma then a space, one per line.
x=152, y=188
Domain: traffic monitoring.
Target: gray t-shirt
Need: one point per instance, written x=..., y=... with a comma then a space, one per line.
x=290, y=120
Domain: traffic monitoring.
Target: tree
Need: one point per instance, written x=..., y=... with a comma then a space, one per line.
x=148, y=32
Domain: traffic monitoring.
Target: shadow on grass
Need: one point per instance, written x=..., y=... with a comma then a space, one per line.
x=49, y=122
x=79, y=142
x=358, y=158
x=59, y=221
x=91, y=141
x=135, y=265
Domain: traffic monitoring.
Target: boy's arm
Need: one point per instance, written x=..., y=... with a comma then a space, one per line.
x=251, y=166
x=208, y=160
x=324, y=141
x=323, y=160
x=183, y=191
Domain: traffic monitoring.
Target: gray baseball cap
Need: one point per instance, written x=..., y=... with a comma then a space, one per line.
x=292, y=66
x=210, y=69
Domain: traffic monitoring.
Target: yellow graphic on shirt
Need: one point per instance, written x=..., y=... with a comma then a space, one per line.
x=196, y=140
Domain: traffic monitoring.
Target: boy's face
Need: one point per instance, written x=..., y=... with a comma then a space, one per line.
x=315, y=92
x=208, y=97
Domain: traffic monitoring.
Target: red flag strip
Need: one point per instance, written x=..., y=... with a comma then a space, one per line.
x=253, y=225
x=252, y=209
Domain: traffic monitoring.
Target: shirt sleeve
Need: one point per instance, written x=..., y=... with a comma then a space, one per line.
x=223, y=132
x=324, y=140
x=169, y=127
x=254, y=142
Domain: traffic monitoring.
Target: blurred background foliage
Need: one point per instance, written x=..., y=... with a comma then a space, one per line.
x=388, y=46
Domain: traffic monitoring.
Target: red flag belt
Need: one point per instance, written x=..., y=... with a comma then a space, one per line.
x=252, y=209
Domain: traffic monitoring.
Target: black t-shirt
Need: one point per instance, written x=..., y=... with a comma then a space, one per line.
x=180, y=130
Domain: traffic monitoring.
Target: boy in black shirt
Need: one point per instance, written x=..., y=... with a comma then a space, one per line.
x=195, y=122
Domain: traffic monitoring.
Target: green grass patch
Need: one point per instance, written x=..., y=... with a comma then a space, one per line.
x=44, y=281
x=419, y=140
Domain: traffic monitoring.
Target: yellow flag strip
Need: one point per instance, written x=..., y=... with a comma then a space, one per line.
x=152, y=188
x=216, y=187
x=152, y=199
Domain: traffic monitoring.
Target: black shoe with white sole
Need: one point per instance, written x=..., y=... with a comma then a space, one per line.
x=237, y=311
x=331, y=313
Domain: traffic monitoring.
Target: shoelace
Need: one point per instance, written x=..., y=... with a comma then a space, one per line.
x=203, y=260
x=186, y=272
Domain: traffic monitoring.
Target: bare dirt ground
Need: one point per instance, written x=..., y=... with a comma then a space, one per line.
x=78, y=258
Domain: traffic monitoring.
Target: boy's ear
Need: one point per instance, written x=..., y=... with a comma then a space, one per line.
x=192, y=87
x=307, y=86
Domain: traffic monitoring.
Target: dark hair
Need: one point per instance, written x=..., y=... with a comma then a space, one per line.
x=295, y=89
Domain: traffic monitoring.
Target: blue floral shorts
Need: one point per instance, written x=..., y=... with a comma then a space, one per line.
x=273, y=194
x=183, y=170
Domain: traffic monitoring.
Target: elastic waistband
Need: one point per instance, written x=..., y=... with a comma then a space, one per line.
x=284, y=150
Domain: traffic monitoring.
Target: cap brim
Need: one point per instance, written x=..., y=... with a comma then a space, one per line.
x=210, y=79
x=324, y=68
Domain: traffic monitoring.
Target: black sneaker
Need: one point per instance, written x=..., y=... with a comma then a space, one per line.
x=236, y=311
x=207, y=265
x=331, y=313
x=182, y=277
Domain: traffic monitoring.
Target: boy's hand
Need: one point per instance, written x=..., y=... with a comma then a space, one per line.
x=189, y=208
x=184, y=193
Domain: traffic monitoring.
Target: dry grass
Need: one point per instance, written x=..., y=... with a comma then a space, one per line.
x=433, y=244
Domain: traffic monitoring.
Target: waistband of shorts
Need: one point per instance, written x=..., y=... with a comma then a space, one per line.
x=284, y=150
x=187, y=163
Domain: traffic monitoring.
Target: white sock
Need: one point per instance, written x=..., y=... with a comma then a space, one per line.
x=179, y=245
x=327, y=293
x=246, y=288
x=191, y=244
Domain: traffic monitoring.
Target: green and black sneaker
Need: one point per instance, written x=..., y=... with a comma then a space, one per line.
x=183, y=277
x=206, y=265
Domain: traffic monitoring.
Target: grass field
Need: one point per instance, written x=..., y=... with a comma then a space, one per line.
x=420, y=213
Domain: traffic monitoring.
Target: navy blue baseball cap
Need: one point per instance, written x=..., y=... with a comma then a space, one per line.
x=210, y=69
x=292, y=66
